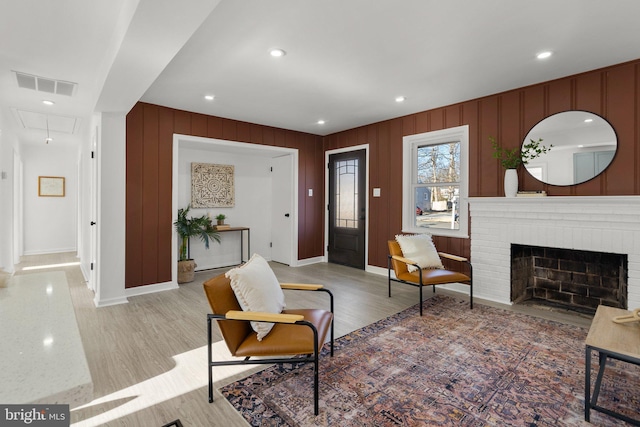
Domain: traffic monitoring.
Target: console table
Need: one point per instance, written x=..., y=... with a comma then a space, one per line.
x=620, y=341
x=241, y=230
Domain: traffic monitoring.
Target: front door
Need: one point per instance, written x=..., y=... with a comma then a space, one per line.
x=347, y=208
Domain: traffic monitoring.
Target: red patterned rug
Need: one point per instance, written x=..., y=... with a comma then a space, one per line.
x=453, y=367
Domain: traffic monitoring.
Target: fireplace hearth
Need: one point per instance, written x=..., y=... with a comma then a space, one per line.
x=604, y=224
x=573, y=279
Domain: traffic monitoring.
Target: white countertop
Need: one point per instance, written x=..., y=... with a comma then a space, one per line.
x=41, y=355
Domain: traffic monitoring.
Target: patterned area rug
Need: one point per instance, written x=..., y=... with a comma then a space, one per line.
x=453, y=366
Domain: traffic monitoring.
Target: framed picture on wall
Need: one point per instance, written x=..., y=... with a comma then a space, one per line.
x=212, y=186
x=51, y=186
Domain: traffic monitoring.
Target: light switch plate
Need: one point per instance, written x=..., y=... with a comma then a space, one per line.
x=376, y=192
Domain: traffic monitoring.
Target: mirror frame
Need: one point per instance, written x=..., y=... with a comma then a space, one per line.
x=558, y=130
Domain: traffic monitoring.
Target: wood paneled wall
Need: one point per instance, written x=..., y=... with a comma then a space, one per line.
x=612, y=92
x=150, y=130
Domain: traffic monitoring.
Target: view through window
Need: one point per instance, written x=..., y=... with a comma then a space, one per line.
x=437, y=189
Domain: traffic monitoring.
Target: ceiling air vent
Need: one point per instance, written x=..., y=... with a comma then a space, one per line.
x=26, y=81
x=43, y=84
x=65, y=88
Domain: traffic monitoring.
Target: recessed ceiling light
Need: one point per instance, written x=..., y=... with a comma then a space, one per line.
x=588, y=120
x=544, y=55
x=321, y=122
x=209, y=97
x=400, y=98
x=277, y=53
x=47, y=102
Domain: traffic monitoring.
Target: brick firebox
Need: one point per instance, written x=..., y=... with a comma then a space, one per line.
x=575, y=279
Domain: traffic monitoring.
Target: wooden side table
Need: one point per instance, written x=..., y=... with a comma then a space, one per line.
x=620, y=341
x=241, y=230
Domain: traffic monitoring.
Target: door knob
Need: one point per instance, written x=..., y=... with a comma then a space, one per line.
x=287, y=215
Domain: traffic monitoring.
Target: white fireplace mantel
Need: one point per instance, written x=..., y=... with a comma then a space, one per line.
x=599, y=223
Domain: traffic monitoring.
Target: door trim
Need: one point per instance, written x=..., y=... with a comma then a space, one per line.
x=328, y=153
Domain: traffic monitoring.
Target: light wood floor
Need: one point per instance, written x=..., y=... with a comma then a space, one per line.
x=148, y=358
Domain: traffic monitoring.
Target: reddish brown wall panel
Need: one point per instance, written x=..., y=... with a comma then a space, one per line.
x=199, y=125
x=317, y=233
x=621, y=101
x=150, y=130
x=612, y=92
x=490, y=174
x=452, y=116
x=150, y=200
x=133, y=197
x=165, y=163
x=214, y=127
x=394, y=197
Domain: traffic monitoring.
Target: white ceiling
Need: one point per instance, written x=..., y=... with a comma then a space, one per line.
x=346, y=60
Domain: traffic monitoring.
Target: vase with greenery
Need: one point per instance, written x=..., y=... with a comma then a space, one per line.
x=510, y=159
x=220, y=218
x=200, y=227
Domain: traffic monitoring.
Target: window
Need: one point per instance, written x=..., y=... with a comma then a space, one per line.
x=435, y=182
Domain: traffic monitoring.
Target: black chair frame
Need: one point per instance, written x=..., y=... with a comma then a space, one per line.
x=310, y=358
x=421, y=285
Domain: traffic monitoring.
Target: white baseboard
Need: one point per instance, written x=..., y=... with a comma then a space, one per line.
x=309, y=261
x=108, y=302
x=50, y=251
x=150, y=289
x=377, y=270
x=85, y=273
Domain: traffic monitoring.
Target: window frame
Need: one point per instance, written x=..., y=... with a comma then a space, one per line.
x=410, y=144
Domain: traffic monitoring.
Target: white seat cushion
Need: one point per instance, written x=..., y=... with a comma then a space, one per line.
x=420, y=249
x=257, y=289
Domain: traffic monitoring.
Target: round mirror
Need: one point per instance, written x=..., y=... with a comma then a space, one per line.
x=582, y=146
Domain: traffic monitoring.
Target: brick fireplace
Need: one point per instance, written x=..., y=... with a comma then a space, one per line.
x=602, y=224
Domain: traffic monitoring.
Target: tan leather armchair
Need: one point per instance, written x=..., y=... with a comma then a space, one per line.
x=427, y=276
x=296, y=332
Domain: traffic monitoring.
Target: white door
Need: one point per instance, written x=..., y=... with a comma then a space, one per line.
x=282, y=209
x=93, y=196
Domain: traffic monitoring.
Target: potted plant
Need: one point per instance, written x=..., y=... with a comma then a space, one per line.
x=220, y=218
x=186, y=227
x=511, y=159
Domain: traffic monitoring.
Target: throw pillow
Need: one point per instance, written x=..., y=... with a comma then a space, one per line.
x=257, y=289
x=420, y=249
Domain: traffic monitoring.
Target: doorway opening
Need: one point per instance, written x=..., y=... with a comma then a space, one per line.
x=261, y=174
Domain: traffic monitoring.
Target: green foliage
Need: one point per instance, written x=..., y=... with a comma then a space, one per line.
x=200, y=227
x=221, y=217
x=511, y=159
